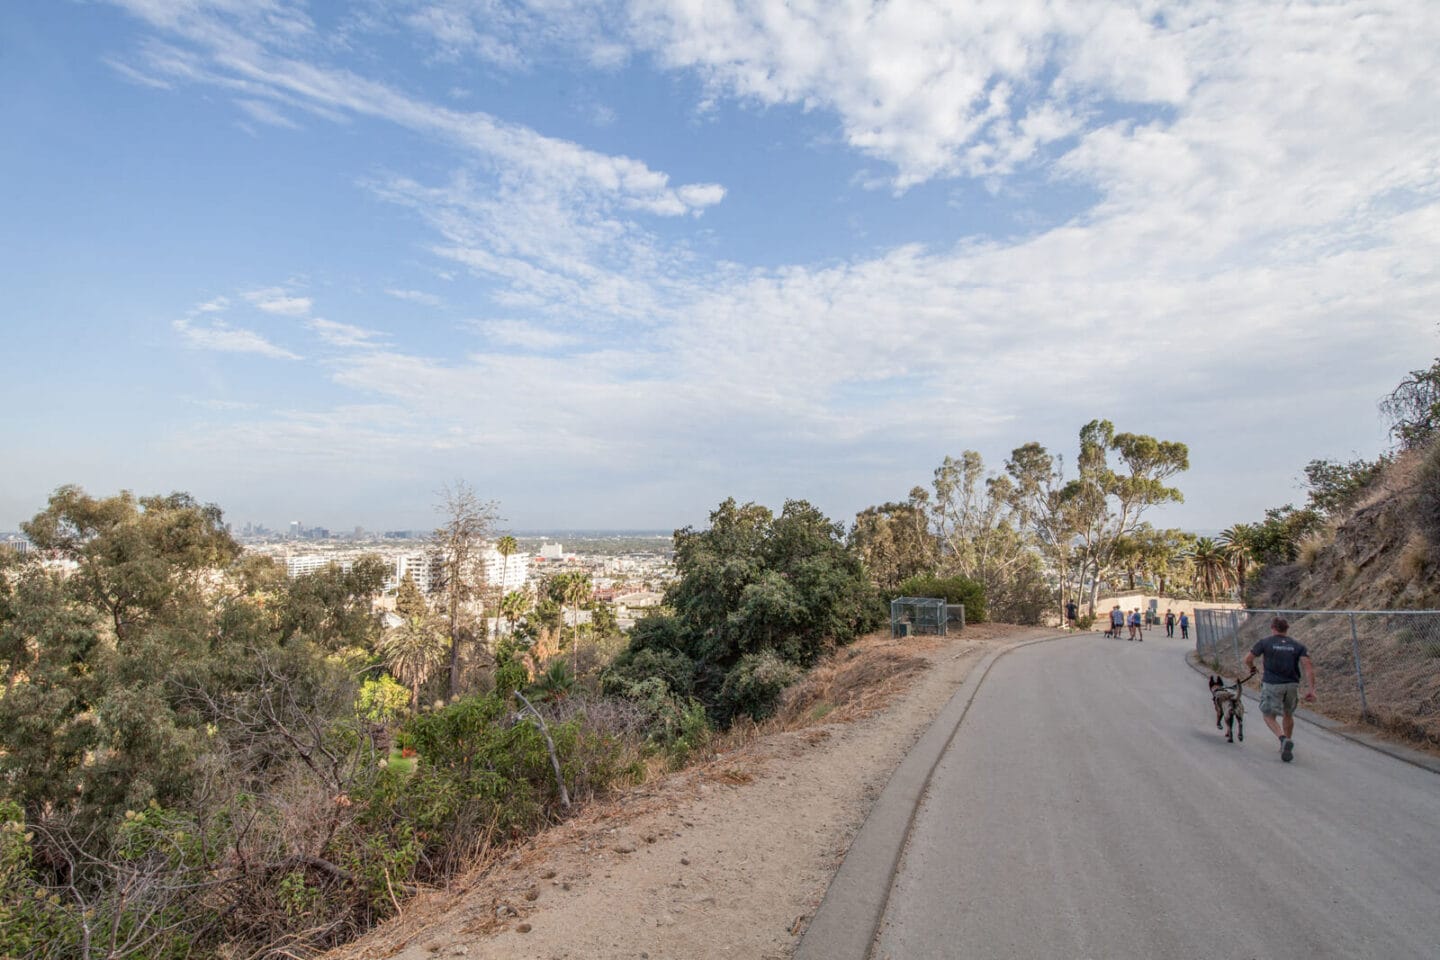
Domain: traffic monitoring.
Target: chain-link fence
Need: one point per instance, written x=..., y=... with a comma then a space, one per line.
x=1371, y=666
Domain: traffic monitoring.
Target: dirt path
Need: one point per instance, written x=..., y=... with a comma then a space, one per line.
x=729, y=859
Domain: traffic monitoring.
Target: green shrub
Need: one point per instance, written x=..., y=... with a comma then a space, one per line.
x=382, y=700
x=754, y=686
x=953, y=590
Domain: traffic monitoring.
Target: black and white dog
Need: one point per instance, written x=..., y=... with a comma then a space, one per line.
x=1229, y=706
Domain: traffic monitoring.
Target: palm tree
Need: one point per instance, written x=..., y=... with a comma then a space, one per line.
x=573, y=589
x=1237, y=543
x=1212, y=569
x=505, y=546
x=412, y=651
x=513, y=606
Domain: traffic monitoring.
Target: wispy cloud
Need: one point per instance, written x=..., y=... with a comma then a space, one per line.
x=527, y=336
x=223, y=338
x=416, y=296
x=279, y=301
x=343, y=334
x=266, y=113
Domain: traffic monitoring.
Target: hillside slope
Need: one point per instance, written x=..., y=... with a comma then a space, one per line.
x=1383, y=555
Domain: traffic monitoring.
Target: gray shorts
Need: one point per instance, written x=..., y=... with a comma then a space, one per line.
x=1278, y=698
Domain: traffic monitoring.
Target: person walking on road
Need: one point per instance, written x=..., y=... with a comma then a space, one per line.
x=1285, y=660
x=1071, y=610
x=1184, y=625
x=1169, y=623
x=1117, y=620
x=1137, y=625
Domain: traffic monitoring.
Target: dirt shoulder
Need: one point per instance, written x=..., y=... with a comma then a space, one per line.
x=726, y=859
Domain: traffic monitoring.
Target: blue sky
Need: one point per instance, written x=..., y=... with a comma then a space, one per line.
x=613, y=262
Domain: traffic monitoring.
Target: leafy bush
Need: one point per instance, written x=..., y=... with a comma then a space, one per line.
x=754, y=686
x=953, y=590
x=752, y=583
x=382, y=700
x=674, y=726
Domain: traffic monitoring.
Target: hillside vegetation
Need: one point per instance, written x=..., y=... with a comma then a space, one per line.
x=1368, y=540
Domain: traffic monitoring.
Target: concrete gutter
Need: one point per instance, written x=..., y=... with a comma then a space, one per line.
x=1413, y=757
x=845, y=926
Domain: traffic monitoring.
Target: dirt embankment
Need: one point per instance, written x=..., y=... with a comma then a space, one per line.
x=729, y=858
x=1380, y=556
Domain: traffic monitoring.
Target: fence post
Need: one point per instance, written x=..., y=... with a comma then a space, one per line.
x=1359, y=676
x=1235, y=636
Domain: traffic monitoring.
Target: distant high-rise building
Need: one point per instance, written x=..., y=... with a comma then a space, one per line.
x=295, y=527
x=552, y=551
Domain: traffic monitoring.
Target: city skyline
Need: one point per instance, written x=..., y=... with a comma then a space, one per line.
x=612, y=263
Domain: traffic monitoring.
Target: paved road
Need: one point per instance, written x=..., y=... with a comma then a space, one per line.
x=1089, y=809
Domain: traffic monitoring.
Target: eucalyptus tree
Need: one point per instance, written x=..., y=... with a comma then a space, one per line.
x=1042, y=506
x=983, y=533
x=895, y=541
x=1108, y=501
x=139, y=560
x=466, y=521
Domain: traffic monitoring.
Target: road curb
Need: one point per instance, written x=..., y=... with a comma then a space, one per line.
x=845, y=925
x=1413, y=757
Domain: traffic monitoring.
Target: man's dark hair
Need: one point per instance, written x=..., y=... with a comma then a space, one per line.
x=1280, y=625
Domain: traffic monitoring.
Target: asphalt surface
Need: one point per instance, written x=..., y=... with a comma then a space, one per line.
x=1088, y=808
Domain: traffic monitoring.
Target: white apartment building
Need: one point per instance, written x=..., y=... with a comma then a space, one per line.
x=308, y=563
x=426, y=568
x=506, y=576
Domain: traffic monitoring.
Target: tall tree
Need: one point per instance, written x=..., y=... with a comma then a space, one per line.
x=466, y=521
x=513, y=606
x=409, y=601
x=895, y=541
x=506, y=546
x=1110, y=501
x=1212, y=571
x=138, y=560
x=1237, y=544
x=412, y=652
x=983, y=535
x=1041, y=505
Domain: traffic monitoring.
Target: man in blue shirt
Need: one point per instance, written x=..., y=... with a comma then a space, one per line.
x=1285, y=660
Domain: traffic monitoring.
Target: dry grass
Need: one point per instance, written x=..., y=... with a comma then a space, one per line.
x=851, y=683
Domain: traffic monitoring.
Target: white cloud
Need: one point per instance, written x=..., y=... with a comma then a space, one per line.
x=344, y=334
x=249, y=52
x=934, y=87
x=277, y=300
x=223, y=338
x=266, y=113
x=1268, y=201
x=526, y=336
x=216, y=305
x=416, y=296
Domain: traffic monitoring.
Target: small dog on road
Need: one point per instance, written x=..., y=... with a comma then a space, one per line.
x=1229, y=706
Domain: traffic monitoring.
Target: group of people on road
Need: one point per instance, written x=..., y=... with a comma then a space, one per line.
x=1135, y=622
x=1286, y=661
